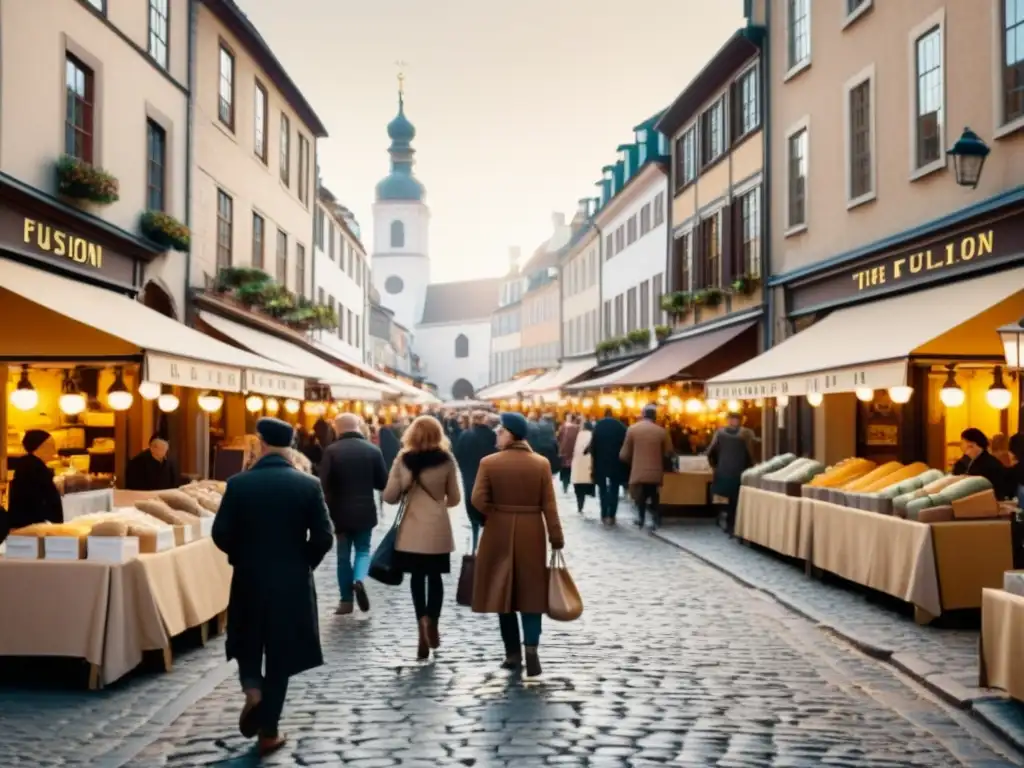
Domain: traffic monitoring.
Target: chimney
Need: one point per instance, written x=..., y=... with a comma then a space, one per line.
x=557, y=220
x=514, y=256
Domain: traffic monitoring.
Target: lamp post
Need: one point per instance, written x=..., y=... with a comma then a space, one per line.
x=968, y=153
x=1012, y=336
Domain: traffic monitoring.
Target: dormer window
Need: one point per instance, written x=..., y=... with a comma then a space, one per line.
x=607, y=174
x=641, y=136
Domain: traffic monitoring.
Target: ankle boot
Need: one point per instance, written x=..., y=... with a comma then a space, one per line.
x=423, y=649
x=513, y=659
x=533, y=668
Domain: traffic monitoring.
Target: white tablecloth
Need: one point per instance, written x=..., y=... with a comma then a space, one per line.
x=87, y=502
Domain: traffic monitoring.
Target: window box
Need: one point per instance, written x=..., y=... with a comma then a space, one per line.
x=710, y=297
x=677, y=304
x=165, y=230
x=254, y=290
x=79, y=180
x=662, y=332
x=640, y=337
x=746, y=285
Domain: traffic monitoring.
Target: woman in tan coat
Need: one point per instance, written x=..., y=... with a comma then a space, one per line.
x=515, y=494
x=425, y=474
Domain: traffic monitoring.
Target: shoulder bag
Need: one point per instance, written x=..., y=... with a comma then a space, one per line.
x=564, y=601
x=382, y=567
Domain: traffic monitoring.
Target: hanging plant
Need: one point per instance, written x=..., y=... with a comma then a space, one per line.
x=639, y=337
x=324, y=318
x=677, y=303
x=662, y=332
x=165, y=230
x=233, y=278
x=746, y=285
x=82, y=181
x=277, y=301
x=713, y=297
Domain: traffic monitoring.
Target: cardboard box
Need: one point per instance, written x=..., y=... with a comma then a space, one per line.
x=943, y=514
x=24, y=548
x=205, y=526
x=183, y=534
x=63, y=548
x=977, y=506
x=112, y=549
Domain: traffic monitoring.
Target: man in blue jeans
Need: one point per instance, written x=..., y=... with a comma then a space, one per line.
x=351, y=472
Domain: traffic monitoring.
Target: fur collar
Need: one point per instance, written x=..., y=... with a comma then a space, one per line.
x=418, y=461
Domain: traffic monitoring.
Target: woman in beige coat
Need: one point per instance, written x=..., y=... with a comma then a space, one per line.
x=425, y=475
x=582, y=472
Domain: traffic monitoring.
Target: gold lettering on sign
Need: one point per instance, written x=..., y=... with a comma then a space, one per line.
x=968, y=248
x=52, y=240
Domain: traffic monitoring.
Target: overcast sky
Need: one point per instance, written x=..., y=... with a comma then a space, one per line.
x=516, y=105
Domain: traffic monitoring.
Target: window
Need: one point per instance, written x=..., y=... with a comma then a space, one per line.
x=928, y=124
x=712, y=133
x=225, y=223
x=797, y=183
x=259, y=228
x=686, y=158
x=711, y=250
x=156, y=164
x=226, y=101
x=852, y=6
x=281, y=272
x=618, y=315
x=359, y=336
x=303, y=169
x=659, y=209
x=750, y=235
x=607, y=331
x=286, y=150
x=609, y=247
x=397, y=234
x=860, y=138
x=300, y=269
x=657, y=289
x=260, y=119
x=349, y=325
x=158, y=12
x=683, y=257
x=330, y=240
x=746, y=107
x=320, y=297
x=631, y=310
x=78, y=118
x=799, y=33
x=631, y=230
x=1012, y=64
x=620, y=240
x=461, y=345
x=99, y=5
x=645, y=304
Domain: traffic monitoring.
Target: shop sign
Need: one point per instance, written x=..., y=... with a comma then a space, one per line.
x=876, y=376
x=274, y=384
x=936, y=258
x=193, y=374
x=42, y=240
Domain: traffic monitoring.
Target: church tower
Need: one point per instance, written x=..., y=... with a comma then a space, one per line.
x=401, y=222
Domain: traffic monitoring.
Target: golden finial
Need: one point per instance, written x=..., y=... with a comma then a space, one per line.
x=401, y=76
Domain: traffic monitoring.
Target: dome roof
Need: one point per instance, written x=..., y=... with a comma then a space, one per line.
x=400, y=129
x=399, y=186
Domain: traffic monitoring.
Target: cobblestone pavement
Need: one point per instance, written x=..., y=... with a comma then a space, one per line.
x=946, y=657
x=673, y=663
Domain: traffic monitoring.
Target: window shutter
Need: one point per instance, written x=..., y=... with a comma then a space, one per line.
x=685, y=244
x=700, y=255
x=728, y=246
x=740, y=267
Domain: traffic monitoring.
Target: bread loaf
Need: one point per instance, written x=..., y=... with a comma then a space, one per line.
x=181, y=501
x=901, y=474
x=862, y=482
x=843, y=473
x=161, y=511
x=209, y=501
x=111, y=528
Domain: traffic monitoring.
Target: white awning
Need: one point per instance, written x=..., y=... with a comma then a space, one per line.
x=175, y=353
x=507, y=389
x=344, y=385
x=868, y=345
x=551, y=383
x=393, y=385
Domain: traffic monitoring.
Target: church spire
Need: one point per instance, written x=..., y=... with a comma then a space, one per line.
x=401, y=184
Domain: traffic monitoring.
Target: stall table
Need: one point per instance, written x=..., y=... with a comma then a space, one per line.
x=685, y=489
x=775, y=521
x=1001, y=647
x=110, y=614
x=86, y=502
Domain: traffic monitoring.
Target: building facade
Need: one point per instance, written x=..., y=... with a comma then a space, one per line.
x=254, y=155
x=540, y=322
x=341, y=275
x=506, y=324
x=580, y=283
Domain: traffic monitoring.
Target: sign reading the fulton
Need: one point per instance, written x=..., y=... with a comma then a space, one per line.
x=991, y=243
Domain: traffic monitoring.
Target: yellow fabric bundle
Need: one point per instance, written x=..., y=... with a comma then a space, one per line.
x=36, y=529
x=901, y=474
x=75, y=530
x=842, y=473
x=877, y=473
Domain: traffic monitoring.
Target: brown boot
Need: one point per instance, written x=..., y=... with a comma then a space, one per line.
x=433, y=636
x=344, y=608
x=513, y=662
x=533, y=668
x=268, y=745
x=423, y=650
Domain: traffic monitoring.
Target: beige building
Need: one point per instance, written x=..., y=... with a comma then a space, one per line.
x=107, y=86
x=892, y=263
x=581, y=287
x=254, y=145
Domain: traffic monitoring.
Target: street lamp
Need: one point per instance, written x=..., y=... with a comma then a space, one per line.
x=969, y=153
x=1012, y=336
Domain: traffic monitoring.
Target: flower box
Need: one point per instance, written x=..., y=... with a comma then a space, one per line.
x=80, y=180
x=165, y=230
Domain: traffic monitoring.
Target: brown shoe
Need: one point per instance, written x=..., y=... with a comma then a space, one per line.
x=423, y=650
x=433, y=636
x=268, y=745
x=343, y=609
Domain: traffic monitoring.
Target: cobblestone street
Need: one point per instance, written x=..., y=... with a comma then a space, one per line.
x=673, y=663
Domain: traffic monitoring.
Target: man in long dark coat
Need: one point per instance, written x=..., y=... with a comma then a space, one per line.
x=473, y=445
x=274, y=528
x=609, y=471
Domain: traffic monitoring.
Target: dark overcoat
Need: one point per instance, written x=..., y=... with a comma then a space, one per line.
x=605, y=446
x=273, y=526
x=473, y=446
x=389, y=445
x=351, y=471
x=542, y=440
x=516, y=494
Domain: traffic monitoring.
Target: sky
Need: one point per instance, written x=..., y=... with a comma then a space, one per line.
x=517, y=106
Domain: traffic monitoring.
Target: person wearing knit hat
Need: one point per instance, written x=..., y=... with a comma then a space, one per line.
x=33, y=497
x=515, y=424
x=978, y=462
x=273, y=525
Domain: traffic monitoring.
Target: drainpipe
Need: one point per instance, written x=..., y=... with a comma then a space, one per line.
x=193, y=20
x=766, y=179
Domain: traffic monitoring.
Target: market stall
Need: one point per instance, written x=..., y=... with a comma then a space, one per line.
x=1001, y=645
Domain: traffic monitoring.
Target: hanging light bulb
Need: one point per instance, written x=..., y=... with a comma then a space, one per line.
x=149, y=390
x=211, y=402
x=167, y=401
x=814, y=399
x=693, y=405
x=118, y=396
x=630, y=402
x=712, y=404
x=998, y=396
x=72, y=401
x=733, y=406
x=782, y=401
x=901, y=394
x=24, y=397
x=292, y=406
x=865, y=394
x=951, y=395
x=759, y=403
x=254, y=403
x=272, y=406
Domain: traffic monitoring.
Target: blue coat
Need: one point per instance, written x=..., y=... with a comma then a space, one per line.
x=273, y=526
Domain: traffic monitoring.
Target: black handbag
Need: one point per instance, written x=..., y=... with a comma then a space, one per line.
x=382, y=564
